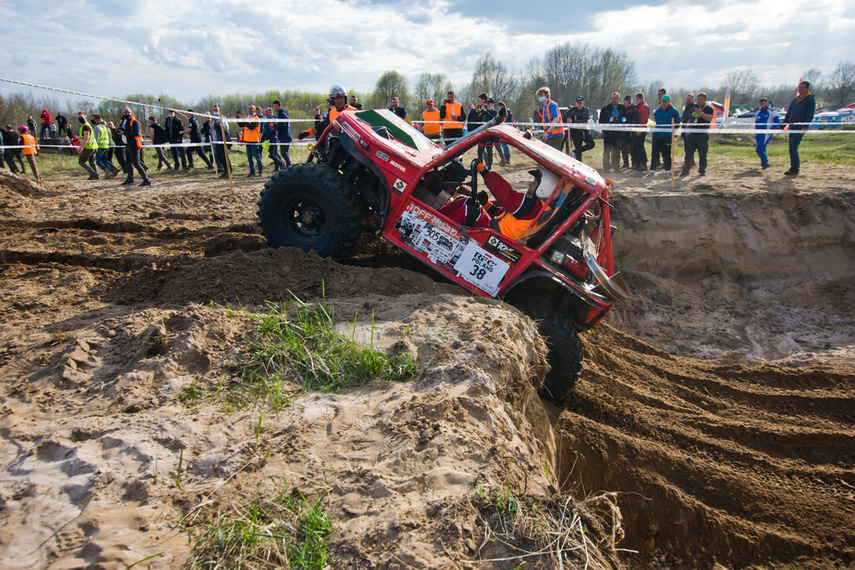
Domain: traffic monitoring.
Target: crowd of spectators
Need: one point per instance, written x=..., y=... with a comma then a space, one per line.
x=97, y=142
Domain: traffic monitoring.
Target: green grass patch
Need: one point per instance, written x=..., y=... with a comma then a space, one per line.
x=815, y=149
x=295, y=347
x=307, y=348
x=285, y=531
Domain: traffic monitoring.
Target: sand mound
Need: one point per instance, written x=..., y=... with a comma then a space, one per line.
x=717, y=403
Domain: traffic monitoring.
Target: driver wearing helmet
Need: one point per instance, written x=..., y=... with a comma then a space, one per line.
x=519, y=210
x=338, y=99
x=515, y=212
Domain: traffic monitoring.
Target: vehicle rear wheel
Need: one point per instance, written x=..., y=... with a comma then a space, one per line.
x=565, y=347
x=310, y=206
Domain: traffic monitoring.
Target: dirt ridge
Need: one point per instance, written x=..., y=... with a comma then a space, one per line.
x=717, y=402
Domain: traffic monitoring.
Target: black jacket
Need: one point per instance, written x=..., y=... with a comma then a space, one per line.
x=159, y=136
x=173, y=127
x=613, y=116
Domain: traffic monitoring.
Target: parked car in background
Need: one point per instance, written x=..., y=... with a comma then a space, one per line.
x=833, y=119
x=745, y=120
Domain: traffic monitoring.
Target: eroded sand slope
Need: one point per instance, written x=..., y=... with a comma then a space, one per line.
x=718, y=402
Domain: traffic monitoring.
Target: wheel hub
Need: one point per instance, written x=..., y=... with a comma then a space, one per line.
x=307, y=218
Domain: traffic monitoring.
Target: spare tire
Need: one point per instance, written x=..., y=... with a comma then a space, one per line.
x=312, y=207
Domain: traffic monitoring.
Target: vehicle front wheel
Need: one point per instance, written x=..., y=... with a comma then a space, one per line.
x=310, y=206
x=565, y=347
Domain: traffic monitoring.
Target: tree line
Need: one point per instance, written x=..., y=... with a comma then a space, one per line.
x=569, y=70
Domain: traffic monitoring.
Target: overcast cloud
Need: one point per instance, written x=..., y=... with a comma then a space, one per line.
x=189, y=50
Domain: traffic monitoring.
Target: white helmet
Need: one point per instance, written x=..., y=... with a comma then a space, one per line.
x=546, y=182
x=337, y=90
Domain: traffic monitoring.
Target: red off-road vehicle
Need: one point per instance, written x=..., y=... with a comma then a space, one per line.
x=560, y=273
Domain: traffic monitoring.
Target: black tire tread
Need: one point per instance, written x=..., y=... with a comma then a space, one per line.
x=565, y=347
x=325, y=185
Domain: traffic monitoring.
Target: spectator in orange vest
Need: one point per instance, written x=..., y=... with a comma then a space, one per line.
x=252, y=138
x=430, y=121
x=30, y=150
x=552, y=135
x=131, y=132
x=452, y=117
x=336, y=104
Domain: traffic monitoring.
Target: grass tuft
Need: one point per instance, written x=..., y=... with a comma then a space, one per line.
x=295, y=347
x=319, y=357
x=286, y=531
x=556, y=531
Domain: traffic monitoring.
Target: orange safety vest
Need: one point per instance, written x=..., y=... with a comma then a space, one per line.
x=29, y=144
x=452, y=109
x=137, y=139
x=431, y=126
x=335, y=112
x=252, y=134
x=512, y=227
x=548, y=118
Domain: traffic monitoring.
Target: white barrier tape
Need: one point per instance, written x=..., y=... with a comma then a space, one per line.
x=637, y=127
x=164, y=145
x=149, y=105
x=679, y=128
x=598, y=127
x=80, y=94
x=595, y=126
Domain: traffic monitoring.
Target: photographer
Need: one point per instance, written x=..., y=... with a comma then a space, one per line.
x=477, y=117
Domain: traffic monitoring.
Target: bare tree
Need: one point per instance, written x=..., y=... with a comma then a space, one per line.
x=840, y=89
x=814, y=77
x=492, y=77
x=562, y=68
x=651, y=89
x=743, y=84
x=432, y=86
x=607, y=71
x=573, y=70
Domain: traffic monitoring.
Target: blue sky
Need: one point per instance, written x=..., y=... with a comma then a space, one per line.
x=189, y=50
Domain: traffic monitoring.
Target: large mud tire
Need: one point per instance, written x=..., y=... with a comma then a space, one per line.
x=312, y=207
x=565, y=347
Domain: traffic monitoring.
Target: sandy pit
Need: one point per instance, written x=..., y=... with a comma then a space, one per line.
x=717, y=405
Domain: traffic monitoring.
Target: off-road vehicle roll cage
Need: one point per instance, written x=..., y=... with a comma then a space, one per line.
x=561, y=271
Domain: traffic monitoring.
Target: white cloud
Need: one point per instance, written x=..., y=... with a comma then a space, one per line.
x=228, y=46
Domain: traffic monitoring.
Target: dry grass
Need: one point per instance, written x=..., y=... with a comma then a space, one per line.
x=555, y=532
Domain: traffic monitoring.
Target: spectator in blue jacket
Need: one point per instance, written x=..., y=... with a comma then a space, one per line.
x=666, y=116
x=799, y=115
x=283, y=131
x=764, y=118
x=270, y=135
